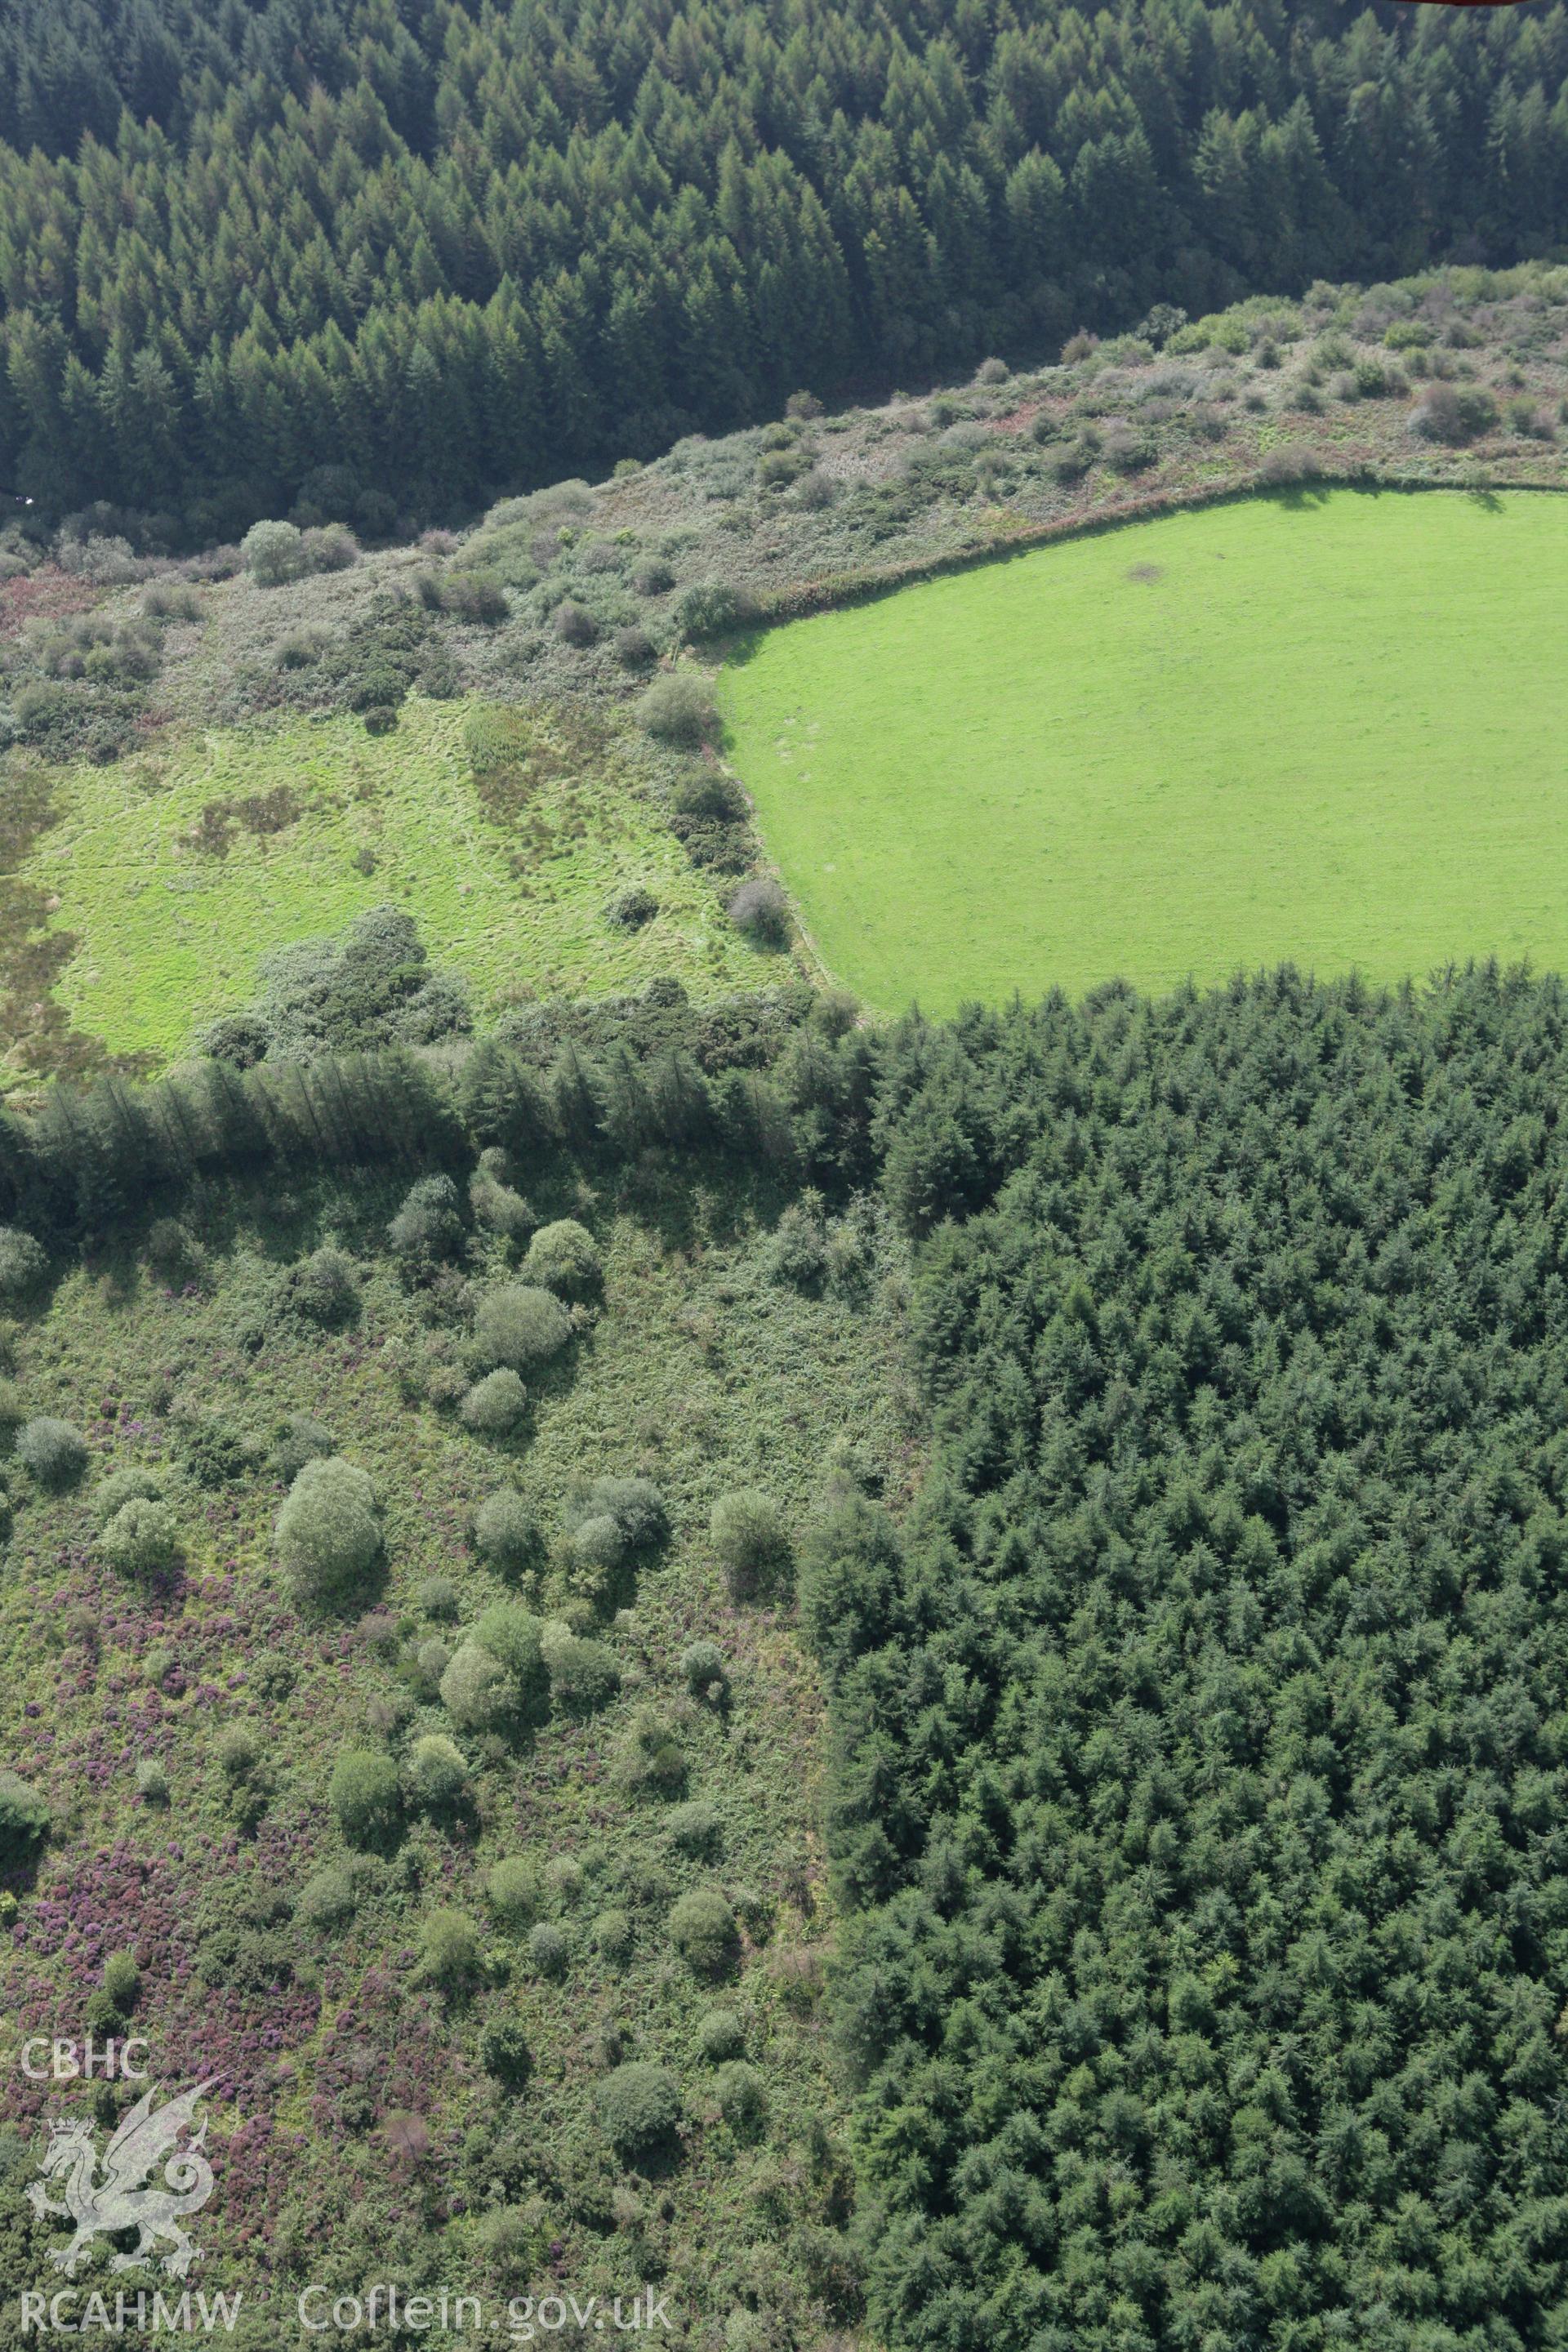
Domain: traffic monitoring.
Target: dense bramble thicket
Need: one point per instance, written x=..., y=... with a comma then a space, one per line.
x=1202, y=1758
x=397, y=241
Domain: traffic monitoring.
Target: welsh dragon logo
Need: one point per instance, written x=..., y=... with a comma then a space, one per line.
x=120, y=2199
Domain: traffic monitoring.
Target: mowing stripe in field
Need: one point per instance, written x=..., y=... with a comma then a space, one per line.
x=1330, y=726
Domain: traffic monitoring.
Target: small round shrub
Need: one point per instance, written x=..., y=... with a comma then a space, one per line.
x=52, y=1451
x=328, y=547
x=437, y=1774
x=613, y=1935
x=142, y=1538
x=272, y=553
x=512, y=1887
x=636, y=1506
x=299, y=1440
x=477, y=1691
x=300, y=650
x=239, y=1751
x=449, y=1948
x=710, y=794
x=760, y=911
x=24, y=1821
x=437, y=1597
x=575, y=623
x=797, y=1252
x=519, y=1326
x=121, y=1486
x=702, y=1929
x=24, y=1262
x=431, y=1660
x=326, y=1901
x=563, y=1258
x=991, y=371
x=494, y=1406
x=582, y=1674
x=712, y=608
x=504, y=2054
x=598, y=1544
x=428, y=1227
x=507, y=1534
x=653, y=578
x=738, y=2091
x=324, y=1288
x=722, y=2034
x=327, y=1534
x=630, y=910
x=639, y=2108
x=702, y=1669
x=122, y=1981
x=513, y=1635
x=750, y=1539
x=650, y=1762
x=1454, y=413
x=151, y=1781
x=635, y=648
x=679, y=710
x=365, y=1795
x=547, y=1949
x=565, y=1877
x=695, y=1827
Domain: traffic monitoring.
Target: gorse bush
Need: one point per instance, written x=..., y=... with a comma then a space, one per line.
x=752, y=1542
x=366, y=1795
x=761, y=909
x=563, y=1258
x=24, y=1821
x=639, y=2107
x=477, y=1691
x=505, y=2054
x=24, y=1264
x=512, y=1887
x=494, y=1406
x=52, y=1450
x=651, y=1761
x=449, y=1949
x=702, y=1668
x=437, y=1772
x=142, y=1538
x=702, y=1929
x=324, y=1288
x=428, y=1227
x=507, y=1534
x=583, y=1674
x=328, y=1534
x=519, y=1327
x=634, y=1506
x=680, y=709
x=121, y=1486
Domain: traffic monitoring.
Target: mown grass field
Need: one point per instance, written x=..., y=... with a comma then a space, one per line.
x=172, y=928
x=1325, y=726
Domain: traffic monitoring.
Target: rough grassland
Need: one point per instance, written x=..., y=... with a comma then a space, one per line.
x=699, y=1372
x=1326, y=727
x=172, y=926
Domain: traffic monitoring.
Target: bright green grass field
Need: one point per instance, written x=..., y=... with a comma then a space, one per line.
x=1332, y=729
x=172, y=935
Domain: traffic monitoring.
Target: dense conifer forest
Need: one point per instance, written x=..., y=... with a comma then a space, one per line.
x=260, y=255
x=1200, y=1745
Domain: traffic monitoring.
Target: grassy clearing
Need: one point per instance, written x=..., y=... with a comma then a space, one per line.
x=1325, y=726
x=174, y=909
x=699, y=1372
